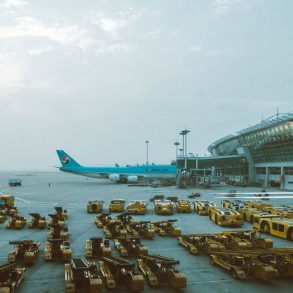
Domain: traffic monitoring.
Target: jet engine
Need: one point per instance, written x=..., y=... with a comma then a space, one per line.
x=114, y=177
x=132, y=179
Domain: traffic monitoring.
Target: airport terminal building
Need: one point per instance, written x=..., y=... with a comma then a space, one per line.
x=261, y=154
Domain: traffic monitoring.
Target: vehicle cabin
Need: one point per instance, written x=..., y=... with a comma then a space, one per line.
x=223, y=217
x=202, y=206
x=116, y=205
x=183, y=206
x=95, y=206
x=137, y=207
x=233, y=205
x=279, y=227
x=164, y=207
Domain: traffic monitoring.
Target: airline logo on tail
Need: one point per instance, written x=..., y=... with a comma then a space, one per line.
x=65, y=160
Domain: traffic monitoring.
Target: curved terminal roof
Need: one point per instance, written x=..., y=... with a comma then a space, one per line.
x=267, y=123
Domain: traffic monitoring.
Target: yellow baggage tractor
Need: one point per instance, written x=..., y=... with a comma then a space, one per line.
x=57, y=231
x=166, y=228
x=2, y=217
x=115, y=229
x=15, y=222
x=141, y=228
x=137, y=207
x=117, y=205
x=97, y=247
x=223, y=217
x=57, y=249
x=202, y=206
x=164, y=207
x=159, y=269
x=130, y=246
x=103, y=219
x=95, y=206
x=120, y=271
x=183, y=206
x=37, y=221
x=81, y=274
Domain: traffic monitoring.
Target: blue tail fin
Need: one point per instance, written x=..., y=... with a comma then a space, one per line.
x=66, y=160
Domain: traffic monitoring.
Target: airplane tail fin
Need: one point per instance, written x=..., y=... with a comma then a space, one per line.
x=66, y=160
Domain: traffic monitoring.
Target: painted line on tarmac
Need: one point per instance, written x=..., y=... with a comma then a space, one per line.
x=3, y=190
x=206, y=282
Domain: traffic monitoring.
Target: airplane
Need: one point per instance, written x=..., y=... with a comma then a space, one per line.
x=117, y=173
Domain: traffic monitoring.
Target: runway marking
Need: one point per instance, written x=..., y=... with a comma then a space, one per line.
x=3, y=190
x=206, y=282
x=35, y=203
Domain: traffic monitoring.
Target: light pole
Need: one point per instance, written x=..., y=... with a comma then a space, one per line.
x=176, y=145
x=147, y=154
x=184, y=136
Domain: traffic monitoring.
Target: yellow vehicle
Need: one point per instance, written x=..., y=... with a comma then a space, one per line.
x=103, y=219
x=224, y=217
x=95, y=206
x=57, y=231
x=164, y=207
x=97, y=247
x=285, y=212
x=6, y=201
x=80, y=273
x=202, y=206
x=57, y=249
x=183, y=206
x=280, y=227
x=137, y=207
x=2, y=217
x=141, y=228
x=233, y=205
x=10, y=277
x=256, y=204
x=166, y=228
x=115, y=229
x=37, y=221
x=61, y=214
x=130, y=246
x=25, y=251
x=15, y=222
x=117, y=205
x=158, y=269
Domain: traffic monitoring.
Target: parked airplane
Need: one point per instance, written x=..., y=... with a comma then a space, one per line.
x=117, y=173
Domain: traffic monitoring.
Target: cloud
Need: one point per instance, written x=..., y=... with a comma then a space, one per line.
x=12, y=3
x=226, y=6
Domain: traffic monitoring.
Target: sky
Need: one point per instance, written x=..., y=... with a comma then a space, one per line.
x=98, y=78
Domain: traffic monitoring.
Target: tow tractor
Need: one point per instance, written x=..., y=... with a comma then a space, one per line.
x=202, y=206
x=159, y=269
x=119, y=271
x=97, y=247
x=166, y=228
x=183, y=206
x=142, y=229
x=57, y=249
x=95, y=206
x=10, y=277
x=130, y=246
x=103, y=219
x=115, y=229
x=137, y=207
x=57, y=231
x=61, y=214
x=2, y=217
x=37, y=221
x=80, y=273
x=16, y=222
x=117, y=205
x=55, y=219
x=25, y=251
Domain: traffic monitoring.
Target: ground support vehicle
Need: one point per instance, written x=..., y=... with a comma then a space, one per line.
x=10, y=277
x=103, y=219
x=183, y=206
x=263, y=264
x=256, y=204
x=142, y=229
x=233, y=205
x=2, y=217
x=124, y=218
x=14, y=181
x=25, y=251
x=61, y=214
x=223, y=217
x=115, y=229
x=81, y=274
x=57, y=231
x=194, y=195
x=15, y=222
x=285, y=212
x=55, y=220
x=247, y=213
x=57, y=249
x=7, y=205
x=119, y=271
x=159, y=269
x=166, y=228
x=202, y=206
x=164, y=207
x=37, y=221
x=137, y=207
x=97, y=247
x=280, y=227
x=130, y=246
x=117, y=205
x=95, y=206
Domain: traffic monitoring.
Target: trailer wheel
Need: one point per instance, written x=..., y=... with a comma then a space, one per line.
x=290, y=234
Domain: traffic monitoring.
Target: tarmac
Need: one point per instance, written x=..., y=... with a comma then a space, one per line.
x=73, y=192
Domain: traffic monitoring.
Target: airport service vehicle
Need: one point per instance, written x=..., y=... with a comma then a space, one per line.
x=142, y=229
x=25, y=251
x=14, y=181
x=194, y=195
x=2, y=217
x=81, y=274
x=164, y=207
x=6, y=201
x=96, y=247
x=160, y=269
x=115, y=229
x=57, y=231
x=15, y=222
x=120, y=271
x=166, y=228
x=61, y=214
x=103, y=219
x=183, y=206
x=116, y=205
x=223, y=217
x=95, y=206
x=137, y=207
x=130, y=246
x=285, y=211
x=117, y=174
x=256, y=204
x=37, y=221
x=57, y=249
x=280, y=227
x=10, y=277
x=11, y=211
x=124, y=218
x=233, y=205
x=202, y=206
